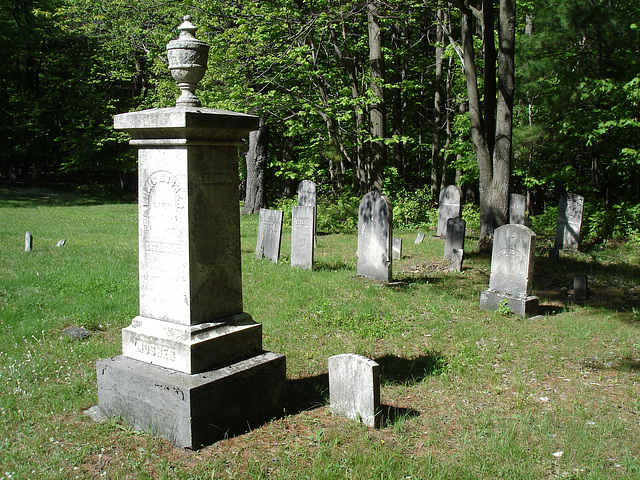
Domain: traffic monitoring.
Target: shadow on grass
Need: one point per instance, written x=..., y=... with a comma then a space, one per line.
x=404, y=282
x=332, y=266
x=64, y=196
x=307, y=393
x=610, y=286
x=404, y=371
x=390, y=415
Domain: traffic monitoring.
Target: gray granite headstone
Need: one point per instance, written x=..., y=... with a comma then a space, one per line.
x=375, y=237
x=302, y=244
x=455, y=262
x=569, y=222
x=354, y=388
x=397, y=248
x=456, y=228
x=517, y=208
x=511, y=271
x=269, y=234
x=308, y=196
x=28, y=242
x=448, y=207
x=419, y=239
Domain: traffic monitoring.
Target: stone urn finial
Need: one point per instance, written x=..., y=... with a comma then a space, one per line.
x=187, y=62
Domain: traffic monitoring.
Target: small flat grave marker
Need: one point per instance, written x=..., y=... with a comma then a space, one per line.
x=419, y=239
x=269, y=234
x=354, y=388
x=511, y=271
x=375, y=237
x=448, y=207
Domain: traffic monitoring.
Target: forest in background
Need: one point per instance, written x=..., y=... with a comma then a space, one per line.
x=336, y=107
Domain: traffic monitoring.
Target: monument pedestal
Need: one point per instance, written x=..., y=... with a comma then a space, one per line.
x=195, y=410
x=523, y=306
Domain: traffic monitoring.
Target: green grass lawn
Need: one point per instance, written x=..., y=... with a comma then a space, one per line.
x=467, y=394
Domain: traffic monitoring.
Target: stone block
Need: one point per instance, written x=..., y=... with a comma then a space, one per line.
x=191, y=411
x=521, y=306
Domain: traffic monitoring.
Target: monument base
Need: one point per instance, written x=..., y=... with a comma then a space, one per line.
x=192, y=411
x=192, y=349
x=523, y=306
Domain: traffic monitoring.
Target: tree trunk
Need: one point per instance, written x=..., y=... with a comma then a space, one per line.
x=437, y=107
x=376, y=109
x=256, y=159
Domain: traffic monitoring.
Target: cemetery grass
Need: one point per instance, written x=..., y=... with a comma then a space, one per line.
x=467, y=394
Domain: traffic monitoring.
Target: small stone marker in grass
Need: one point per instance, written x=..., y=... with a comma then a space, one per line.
x=397, y=248
x=28, y=242
x=456, y=228
x=580, y=286
x=419, y=239
x=511, y=271
x=302, y=236
x=375, y=237
x=354, y=388
x=569, y=222
x=448, y=207
x=269, y=234
x=517, y=209
x=61, y=242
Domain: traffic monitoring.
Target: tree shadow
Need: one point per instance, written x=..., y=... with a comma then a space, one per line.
x=404, y=371
x=63, y=196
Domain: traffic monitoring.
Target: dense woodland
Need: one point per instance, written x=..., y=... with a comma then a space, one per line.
x=400, y=96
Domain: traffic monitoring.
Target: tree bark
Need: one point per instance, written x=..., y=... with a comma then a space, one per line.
x=256, y=159
x=437, y=107
x=494, y=167
x=376, y=109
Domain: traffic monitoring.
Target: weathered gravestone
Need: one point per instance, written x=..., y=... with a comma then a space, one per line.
x=419, y=239
x=28, y=242
x=375, y=237
x=308, y=197
x=456, y=228
x=397, y=248
x=354, y=388
x=511, y=271
x=569, y=222
x=302, y=230
x=517, y=209
x=269, y=234
x=193, y=369
x=448, y=207
x=580, y=286
x=455, y=262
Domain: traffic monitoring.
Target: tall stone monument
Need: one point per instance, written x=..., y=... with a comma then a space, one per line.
x=449, y=206
x=375, y=237
x=511, y=271
x=517, y=208
x=192, y=367
x=569, y=222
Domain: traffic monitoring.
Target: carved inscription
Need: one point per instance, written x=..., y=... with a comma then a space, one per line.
x=157, y=351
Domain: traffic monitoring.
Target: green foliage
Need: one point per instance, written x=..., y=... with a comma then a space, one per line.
x=339, y=215
x=618, y=221
x=413, y=209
